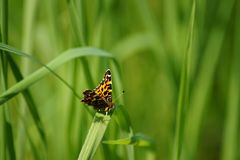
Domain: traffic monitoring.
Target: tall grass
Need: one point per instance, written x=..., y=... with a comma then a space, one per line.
x=181, y=80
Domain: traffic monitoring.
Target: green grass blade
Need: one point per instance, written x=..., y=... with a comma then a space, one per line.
x=29, y=17
x=28, y=22
x=94, y=136
x=138, y=139
x=80, y=6
x=77, y=10
x=124, y=125
x=231, y=131
x=204, y=82
x=12, y=50
x=42, y=72
x=183, y=92
x=4, y=21
x=122, y=118
x=29, y=100
x=8, y=138
x=79, y=25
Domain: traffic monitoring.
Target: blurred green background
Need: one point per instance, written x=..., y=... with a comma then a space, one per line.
x=181, y=81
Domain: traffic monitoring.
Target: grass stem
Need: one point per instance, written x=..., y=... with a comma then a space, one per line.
x=94, y=136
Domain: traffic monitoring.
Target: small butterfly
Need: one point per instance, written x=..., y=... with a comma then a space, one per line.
x=100, y=97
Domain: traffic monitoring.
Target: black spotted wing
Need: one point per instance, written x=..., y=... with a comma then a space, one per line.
x=100, y=97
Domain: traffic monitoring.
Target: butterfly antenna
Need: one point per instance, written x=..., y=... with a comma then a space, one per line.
x=115, y=100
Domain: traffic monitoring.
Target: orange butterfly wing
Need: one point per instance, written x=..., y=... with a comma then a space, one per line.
x=100, y=97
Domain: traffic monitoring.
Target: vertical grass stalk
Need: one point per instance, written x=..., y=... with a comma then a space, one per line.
x=231, y=135
x=8, y=140
x=94, y=136
x=202, y=87
x=28, y=19
x=183, y=93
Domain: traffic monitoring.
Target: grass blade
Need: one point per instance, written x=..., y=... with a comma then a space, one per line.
x=42, y=72
x=122, y=118
x=29, y=99
x=8, y=139
x=230, y=139
x=94, y=136
x=184, y=90
x=138, y=139
x=203, y=84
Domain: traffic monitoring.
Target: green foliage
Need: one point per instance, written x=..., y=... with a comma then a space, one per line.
x=137, y=140
x=177, y=61
x=94, y=136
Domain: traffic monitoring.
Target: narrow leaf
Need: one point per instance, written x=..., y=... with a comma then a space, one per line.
x=43, y=71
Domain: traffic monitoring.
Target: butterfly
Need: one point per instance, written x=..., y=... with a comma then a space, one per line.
x=100, y=97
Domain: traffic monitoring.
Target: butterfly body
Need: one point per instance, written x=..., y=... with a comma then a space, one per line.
x=100, y=97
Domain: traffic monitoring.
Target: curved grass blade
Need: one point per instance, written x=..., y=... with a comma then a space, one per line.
x=29, y=100
x=42, y=72
x=17, y=52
